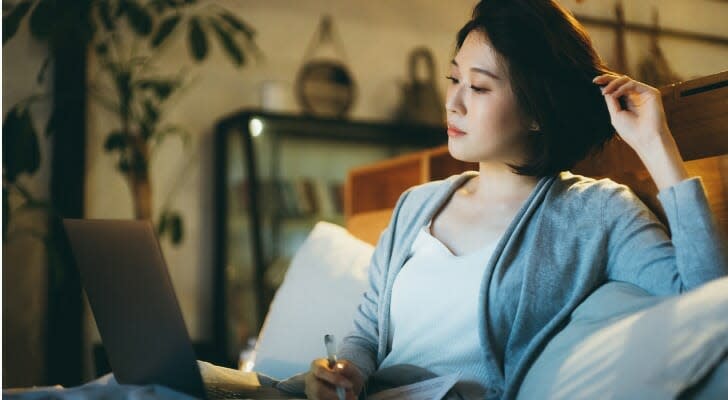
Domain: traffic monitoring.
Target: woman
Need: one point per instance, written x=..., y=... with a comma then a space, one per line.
x=477, y=272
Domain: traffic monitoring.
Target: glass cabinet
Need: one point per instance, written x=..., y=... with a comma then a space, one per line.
x=276, y=176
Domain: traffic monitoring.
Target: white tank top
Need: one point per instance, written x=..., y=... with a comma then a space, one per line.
x=435, y=308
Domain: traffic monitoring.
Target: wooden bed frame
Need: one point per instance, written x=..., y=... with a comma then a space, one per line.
x=697, y=113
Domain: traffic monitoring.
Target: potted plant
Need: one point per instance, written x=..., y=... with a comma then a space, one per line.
x=127, y=37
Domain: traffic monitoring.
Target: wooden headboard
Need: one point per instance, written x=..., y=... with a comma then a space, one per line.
x=697, y=113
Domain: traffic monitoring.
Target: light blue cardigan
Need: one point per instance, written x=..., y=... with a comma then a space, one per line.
x=571, y=235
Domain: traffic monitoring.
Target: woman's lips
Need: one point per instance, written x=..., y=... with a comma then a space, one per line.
x=454, y=132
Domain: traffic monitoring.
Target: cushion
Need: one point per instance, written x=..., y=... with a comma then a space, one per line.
x=319, y=294
x=623, y=343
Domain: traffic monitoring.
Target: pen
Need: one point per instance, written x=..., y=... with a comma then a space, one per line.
x=330, y=344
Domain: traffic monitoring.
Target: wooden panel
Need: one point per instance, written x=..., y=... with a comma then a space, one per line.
x=367, y=226
x=443, y=165
x=697, y=113
x=379, y=185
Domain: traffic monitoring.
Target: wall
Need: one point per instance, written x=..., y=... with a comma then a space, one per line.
x=688, y=58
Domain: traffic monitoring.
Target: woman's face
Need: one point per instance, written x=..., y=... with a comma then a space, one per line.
x=484, y=121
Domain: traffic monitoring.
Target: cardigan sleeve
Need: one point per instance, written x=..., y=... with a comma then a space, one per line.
x=362, y=344
x=641, y=251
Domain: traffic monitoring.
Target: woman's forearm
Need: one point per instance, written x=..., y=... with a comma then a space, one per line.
x=663, y=161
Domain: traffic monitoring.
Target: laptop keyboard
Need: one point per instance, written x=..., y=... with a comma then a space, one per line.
x=221, y=393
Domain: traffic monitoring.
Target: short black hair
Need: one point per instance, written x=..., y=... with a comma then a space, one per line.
x=551, y=63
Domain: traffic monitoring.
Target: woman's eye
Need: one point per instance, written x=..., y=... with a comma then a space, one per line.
x=475, y=89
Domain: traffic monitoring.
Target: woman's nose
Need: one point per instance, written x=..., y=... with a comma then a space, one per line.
x=454, y=101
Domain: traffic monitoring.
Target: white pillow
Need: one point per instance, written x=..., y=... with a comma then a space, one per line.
x=622, y=343
x=319, y=294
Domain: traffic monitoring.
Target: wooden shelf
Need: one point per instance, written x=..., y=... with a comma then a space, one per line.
x=368, y=211
x=411, y=169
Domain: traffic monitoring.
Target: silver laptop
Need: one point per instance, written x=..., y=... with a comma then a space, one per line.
x=136, y=310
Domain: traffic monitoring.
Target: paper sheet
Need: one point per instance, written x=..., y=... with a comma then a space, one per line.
x=429, y=389
x=216, y=375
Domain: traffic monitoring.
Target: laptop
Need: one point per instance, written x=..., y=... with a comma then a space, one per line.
x=133, y=301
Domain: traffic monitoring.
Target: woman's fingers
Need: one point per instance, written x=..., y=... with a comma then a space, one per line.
x=321, y=382
x=348, y=369
x=603, y=79
x=624, y=89
x=613, y=105
x=322, y=371
x=616, y=84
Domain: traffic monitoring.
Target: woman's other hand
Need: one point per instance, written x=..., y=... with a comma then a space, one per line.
x=643, y=126
x=322, y=380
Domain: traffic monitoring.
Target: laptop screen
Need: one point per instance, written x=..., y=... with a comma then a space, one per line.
x=133, y=301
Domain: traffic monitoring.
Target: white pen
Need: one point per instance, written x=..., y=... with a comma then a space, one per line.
x=330, y=344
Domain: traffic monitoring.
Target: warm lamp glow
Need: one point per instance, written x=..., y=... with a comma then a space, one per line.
x=256, y=127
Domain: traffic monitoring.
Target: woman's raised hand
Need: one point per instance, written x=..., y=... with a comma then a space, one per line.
x=643, y=126
x=322, y=380
x=643, y=119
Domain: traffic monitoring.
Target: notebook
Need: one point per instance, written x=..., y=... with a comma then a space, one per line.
x=137, y=313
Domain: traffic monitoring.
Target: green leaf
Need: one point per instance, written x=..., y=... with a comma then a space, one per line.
x=151, y=111
x=139, y=163
x=43, y=68
x=43, y=19
x=123, y=87
x=157, y=5
x=11, y=22
x=162, y=226
x=102, y=48
x=105, y=15
x=120, y=8
x=149, y=123
x=170, y=223
x=162, y=87
x=197, y=40
x=124, y=165
x=115, y=141
x=228, y=43
x=165, y=28
x=176, y=228
x=139, y=19
x=21, y=152
x=238, y=24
